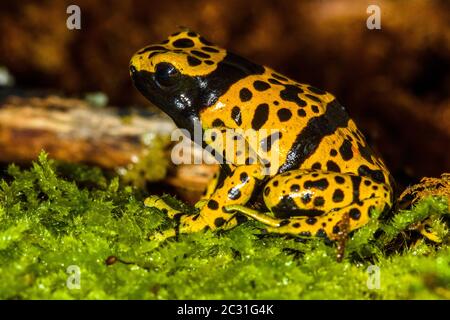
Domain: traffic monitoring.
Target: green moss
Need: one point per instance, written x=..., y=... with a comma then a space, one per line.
x=48, y=223
x=153, y=156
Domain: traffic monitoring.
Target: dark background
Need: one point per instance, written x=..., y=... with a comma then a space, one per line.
x=394, y=82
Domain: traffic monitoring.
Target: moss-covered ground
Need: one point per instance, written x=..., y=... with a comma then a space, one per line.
x=54, y=216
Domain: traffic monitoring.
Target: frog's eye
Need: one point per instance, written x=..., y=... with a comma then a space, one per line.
x=166, y=75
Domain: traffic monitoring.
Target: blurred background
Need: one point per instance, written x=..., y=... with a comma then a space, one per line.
x=394, y=82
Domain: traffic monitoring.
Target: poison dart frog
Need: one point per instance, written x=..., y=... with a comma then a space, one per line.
x=327, y=180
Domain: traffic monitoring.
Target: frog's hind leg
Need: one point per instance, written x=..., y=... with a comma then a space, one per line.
x=308, y=226
x=315, y=203
x=329, y=225
x=299, y=226
x=427, y=231
x=258, y=216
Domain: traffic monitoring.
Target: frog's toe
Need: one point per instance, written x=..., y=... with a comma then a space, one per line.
x=201, y=203
x=254, y=214
x=152, y=201
x=159, y=203
x=162, y=236
x=427, y=231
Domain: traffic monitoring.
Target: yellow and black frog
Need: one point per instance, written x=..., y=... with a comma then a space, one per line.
x=326, y=180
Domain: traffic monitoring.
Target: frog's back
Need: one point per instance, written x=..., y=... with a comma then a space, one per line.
x=315, y=131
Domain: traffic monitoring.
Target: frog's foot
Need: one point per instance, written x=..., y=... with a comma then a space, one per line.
x=254, y=214
x=190, y=224
x=186, y=223
x=305, y=226
x=235, y=189
x=162, y=236
x=201, y=203
x=159, y=203
x=427, y=231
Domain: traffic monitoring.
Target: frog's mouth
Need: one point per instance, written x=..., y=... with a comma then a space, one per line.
x=143, y=80
x=182, y=115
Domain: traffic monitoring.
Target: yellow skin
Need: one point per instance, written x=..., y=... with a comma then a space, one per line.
x=326, y=173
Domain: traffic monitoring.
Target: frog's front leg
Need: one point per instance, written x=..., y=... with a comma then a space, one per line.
x=235, y=189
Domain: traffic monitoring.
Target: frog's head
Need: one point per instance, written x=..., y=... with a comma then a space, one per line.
x=185, y=74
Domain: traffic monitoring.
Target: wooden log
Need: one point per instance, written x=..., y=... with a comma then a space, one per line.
x=71, y=130
x=74, y=131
